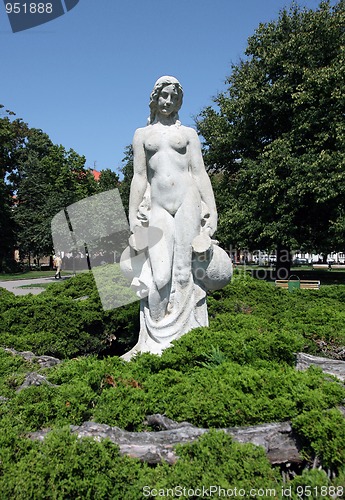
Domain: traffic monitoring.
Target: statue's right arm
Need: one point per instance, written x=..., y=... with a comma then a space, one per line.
x=139, y=181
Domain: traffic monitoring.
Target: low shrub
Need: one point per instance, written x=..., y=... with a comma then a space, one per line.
x=116, y=393
x=12, y=372
x=240, y=338
x=56, y=323
x=316, y=315
x=238, y=371
x=249, y=319
x=64, y=466
x=215, y=460
x=323, y=434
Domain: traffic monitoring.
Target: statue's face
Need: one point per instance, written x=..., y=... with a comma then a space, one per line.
x=168, y=100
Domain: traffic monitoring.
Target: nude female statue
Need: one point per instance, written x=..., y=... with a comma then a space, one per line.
x=172, y=214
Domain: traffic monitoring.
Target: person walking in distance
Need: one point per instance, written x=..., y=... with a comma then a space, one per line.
x=57, y=264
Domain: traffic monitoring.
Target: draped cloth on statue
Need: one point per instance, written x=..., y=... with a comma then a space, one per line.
x=185, y=304
x=154, y=336
x=210, y=269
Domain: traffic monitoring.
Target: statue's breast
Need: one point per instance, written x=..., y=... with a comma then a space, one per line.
x=165, y=140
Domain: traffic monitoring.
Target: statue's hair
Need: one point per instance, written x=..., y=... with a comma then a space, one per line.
x=162, y=82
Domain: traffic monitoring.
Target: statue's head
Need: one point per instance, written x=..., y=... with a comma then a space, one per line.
x=162, y=82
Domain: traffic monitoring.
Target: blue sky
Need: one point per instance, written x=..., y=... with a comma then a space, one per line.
x=85, y=78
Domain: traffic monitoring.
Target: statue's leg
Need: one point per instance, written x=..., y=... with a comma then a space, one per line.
x=161, y=256
x=187, y=226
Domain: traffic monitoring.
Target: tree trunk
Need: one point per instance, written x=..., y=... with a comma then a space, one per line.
x=153, y=447
x=283, y=267
x=333, y=367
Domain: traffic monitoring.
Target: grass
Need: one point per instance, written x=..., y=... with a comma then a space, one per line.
x=28, y=275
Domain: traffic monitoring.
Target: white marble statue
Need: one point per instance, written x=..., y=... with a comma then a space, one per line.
x=171, y=258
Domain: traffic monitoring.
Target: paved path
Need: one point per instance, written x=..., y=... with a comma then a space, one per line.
x=14, y=286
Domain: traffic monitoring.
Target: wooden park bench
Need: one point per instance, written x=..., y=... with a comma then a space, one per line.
x=303, y=284
x=334, y=267
x=320, y=266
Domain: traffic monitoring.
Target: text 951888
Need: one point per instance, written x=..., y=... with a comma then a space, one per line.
x=29, y=8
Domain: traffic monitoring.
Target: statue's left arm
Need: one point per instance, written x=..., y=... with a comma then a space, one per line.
x=202, y=179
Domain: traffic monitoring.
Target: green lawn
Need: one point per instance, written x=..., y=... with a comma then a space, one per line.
x=27, y=275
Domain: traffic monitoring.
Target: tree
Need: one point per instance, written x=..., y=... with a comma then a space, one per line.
x=108, y=180
x=47, y=179
x=277, y=137
x=12, y=138
x=38, y=179
x=127, y=171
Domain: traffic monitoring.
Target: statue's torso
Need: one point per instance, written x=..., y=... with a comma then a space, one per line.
x=167, y=158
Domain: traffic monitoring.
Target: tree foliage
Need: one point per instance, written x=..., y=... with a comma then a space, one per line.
x=127, y=172
x=37, y=180
x=12, y=137
x=108, y=180
x=277, y=138
x=47, y=178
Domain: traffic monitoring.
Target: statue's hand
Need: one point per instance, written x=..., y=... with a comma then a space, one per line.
x=133, y=225
x=211, y=225
x=209, y=220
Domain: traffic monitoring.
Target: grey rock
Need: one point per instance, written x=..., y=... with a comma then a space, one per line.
x=35, y=379
x=43, y=361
